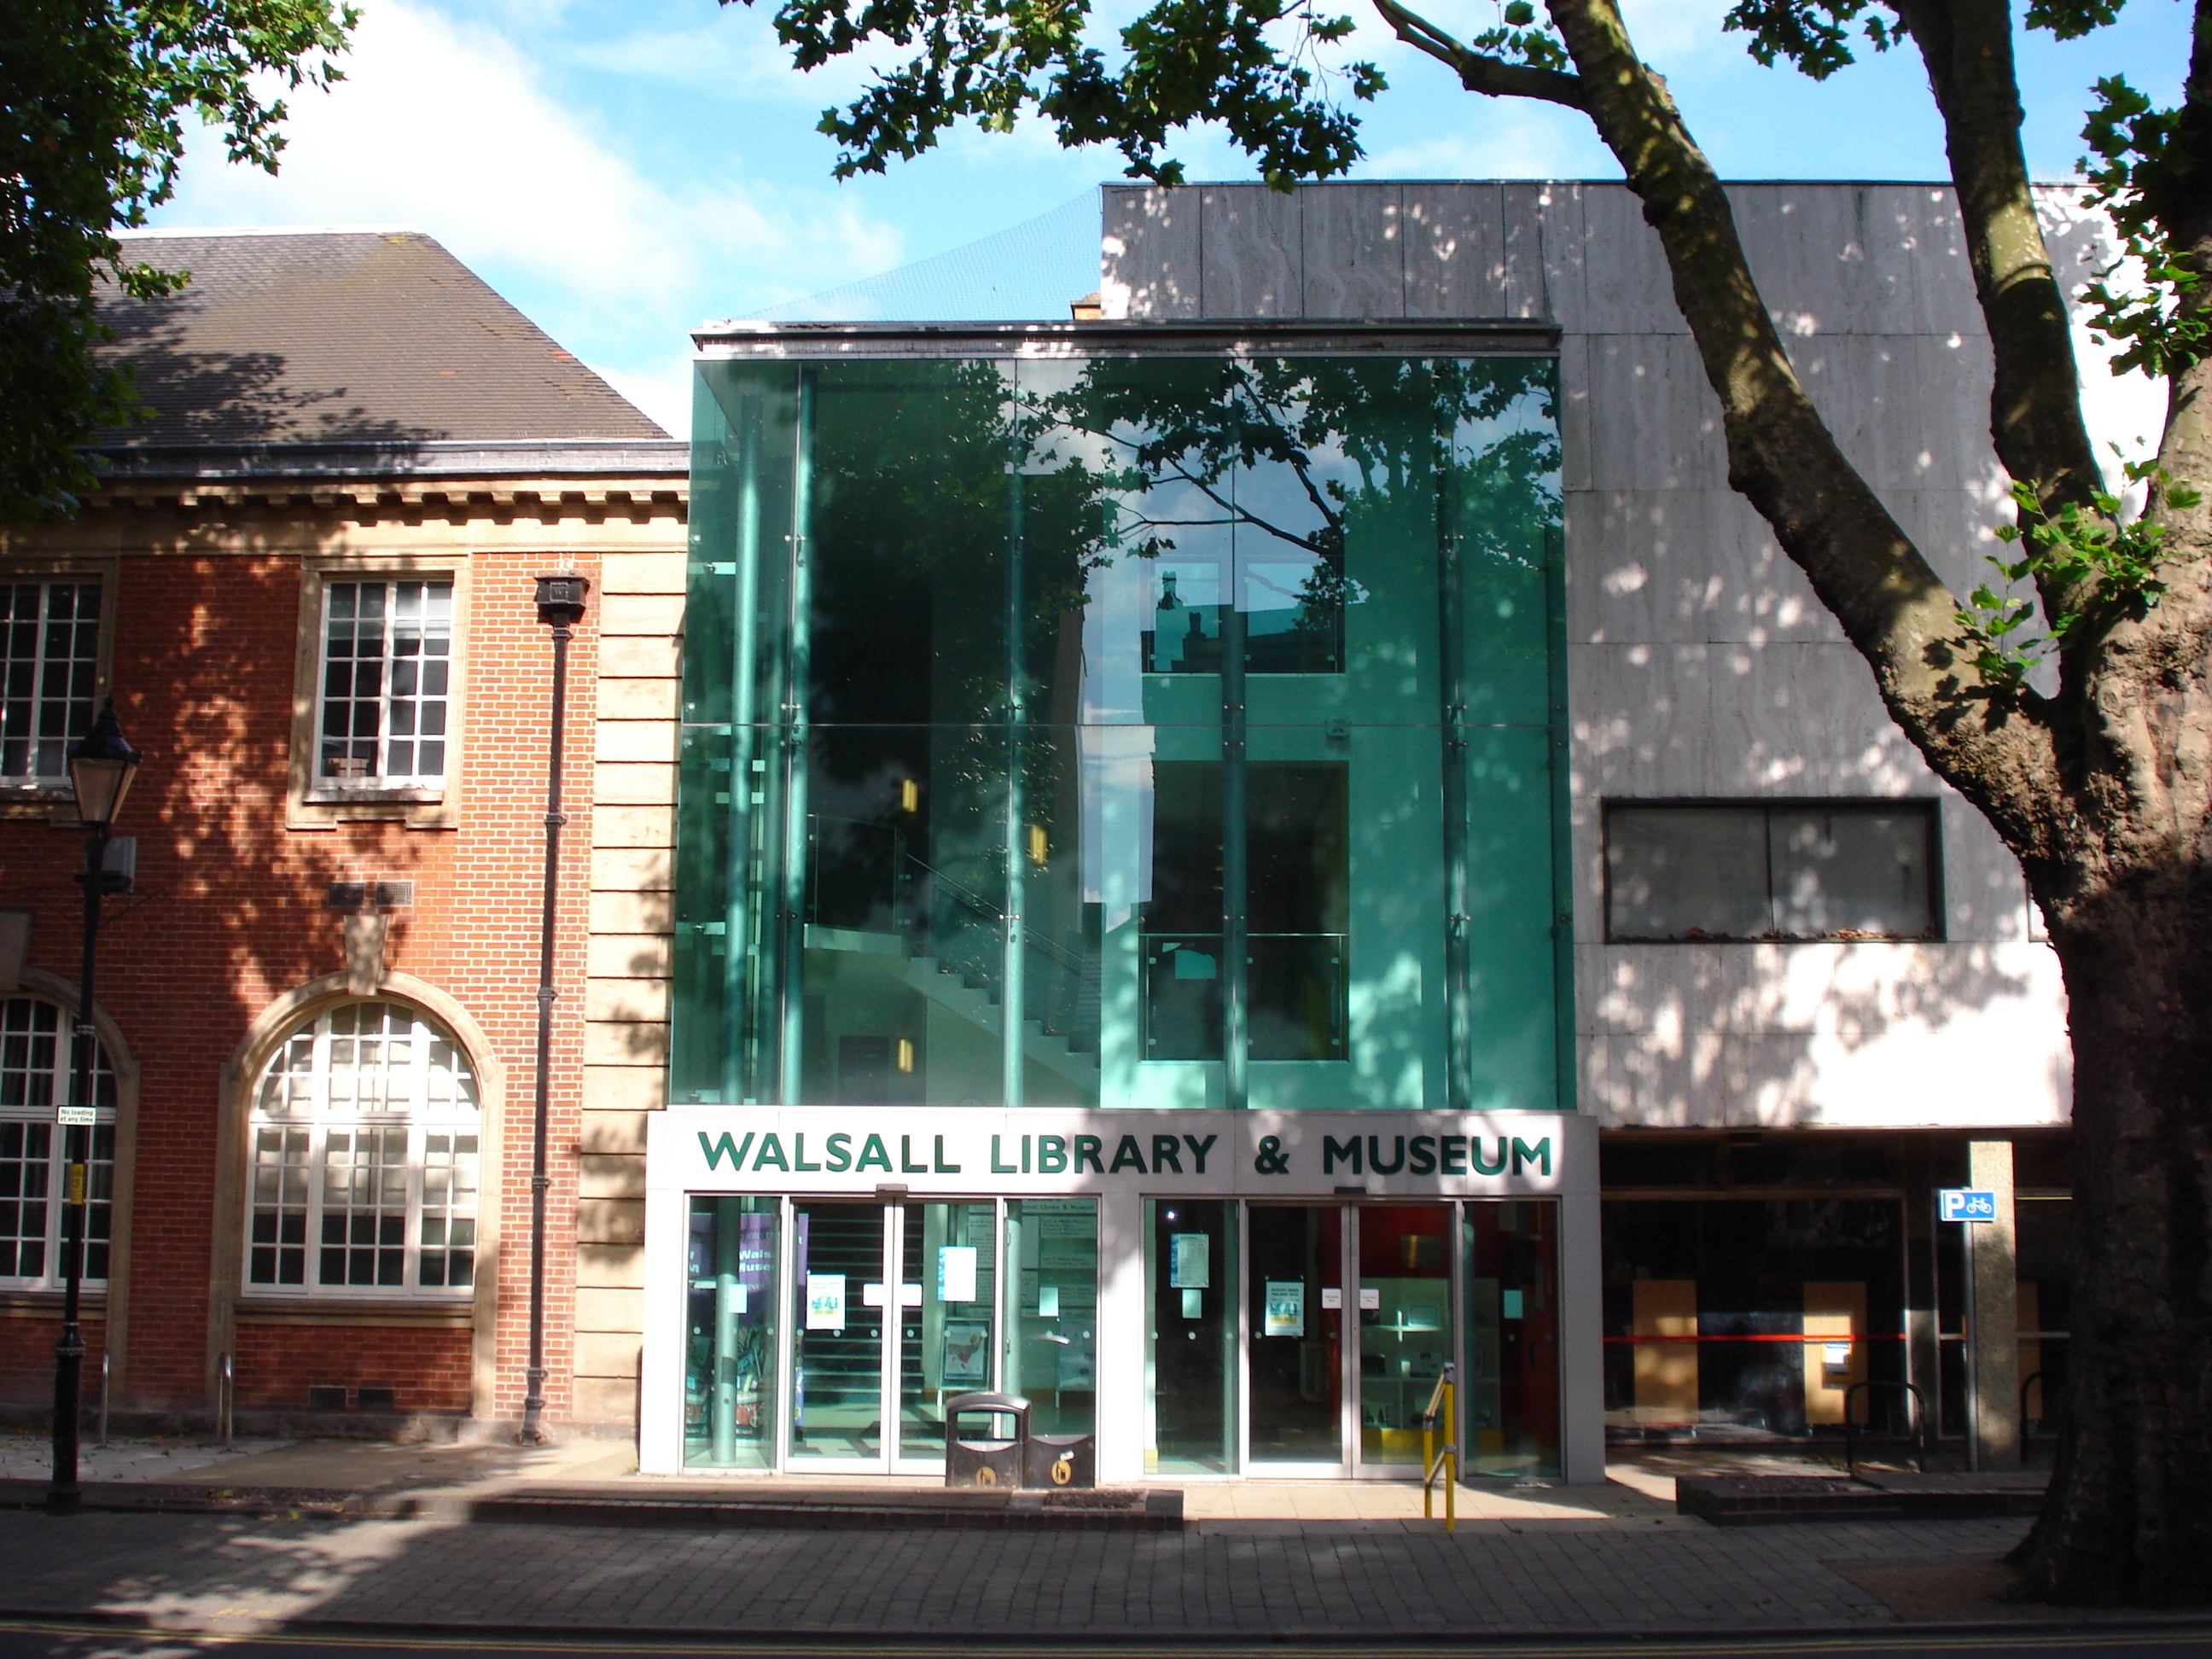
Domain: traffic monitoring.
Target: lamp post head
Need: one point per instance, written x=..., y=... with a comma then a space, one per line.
x=101, y=765
x=561, y=599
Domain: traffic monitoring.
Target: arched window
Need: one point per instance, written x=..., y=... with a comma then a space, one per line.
x=366, y=1138
x=36, y=1054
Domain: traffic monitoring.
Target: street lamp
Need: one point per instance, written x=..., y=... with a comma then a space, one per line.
x=101, y=767
x=561, y=607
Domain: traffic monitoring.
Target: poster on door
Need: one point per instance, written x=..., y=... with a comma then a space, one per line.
x=1190, y=1261
x=825, y=1301
x=1287, y=1307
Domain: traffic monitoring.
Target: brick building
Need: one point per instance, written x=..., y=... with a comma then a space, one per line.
x=307, y=583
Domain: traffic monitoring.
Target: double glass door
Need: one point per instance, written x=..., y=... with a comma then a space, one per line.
x=1349, y=1328
x=893, y=1314
x=1308, y=1339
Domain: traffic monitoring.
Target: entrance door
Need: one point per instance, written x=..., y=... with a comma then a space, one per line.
x=1405, y=1311
x=894, y=1315
x=948, y=1292
x=1294, y=1342
x=838, y=1251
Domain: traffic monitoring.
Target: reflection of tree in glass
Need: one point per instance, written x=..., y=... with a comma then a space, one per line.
x=1353, y=434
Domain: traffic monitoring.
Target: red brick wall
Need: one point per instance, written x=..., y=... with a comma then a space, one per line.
x=26, y=1357
x=428, y=1370
x=230, y=914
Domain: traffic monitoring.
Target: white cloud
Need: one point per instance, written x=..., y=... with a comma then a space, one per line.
x=449, y=126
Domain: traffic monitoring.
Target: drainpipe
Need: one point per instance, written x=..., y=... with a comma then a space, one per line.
x=561, y=606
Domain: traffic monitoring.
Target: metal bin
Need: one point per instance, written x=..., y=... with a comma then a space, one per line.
x=984, y=1460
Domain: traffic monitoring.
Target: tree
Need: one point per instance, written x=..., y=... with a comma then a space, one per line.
x=2101, y=786
x=95, y=94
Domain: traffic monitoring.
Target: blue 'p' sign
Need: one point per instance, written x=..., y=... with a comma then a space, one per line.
x=1966, y=1204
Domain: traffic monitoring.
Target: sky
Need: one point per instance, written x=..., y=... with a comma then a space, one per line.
x=622, y=170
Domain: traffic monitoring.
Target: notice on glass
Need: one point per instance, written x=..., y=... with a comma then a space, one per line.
x=1047, y=1302
x=1509, y=1304
x=955, y=1272
x=1190, y=1261
x=825, y=1301
x=1287, y=1307
x=1371, y=1299
x=1331, y=1299
x=1194, y=1305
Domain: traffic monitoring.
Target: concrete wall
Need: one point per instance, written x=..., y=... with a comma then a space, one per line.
x=1700, y=663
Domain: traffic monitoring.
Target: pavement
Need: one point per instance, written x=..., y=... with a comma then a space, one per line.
x=1319, y=1562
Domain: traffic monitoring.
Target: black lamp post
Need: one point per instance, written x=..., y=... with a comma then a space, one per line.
x=101, y=770
x=561, y=607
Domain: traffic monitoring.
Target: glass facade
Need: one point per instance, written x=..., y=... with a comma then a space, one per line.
x=1124, y=731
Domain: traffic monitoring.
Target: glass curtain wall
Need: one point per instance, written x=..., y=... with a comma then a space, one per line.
x=1166, y=731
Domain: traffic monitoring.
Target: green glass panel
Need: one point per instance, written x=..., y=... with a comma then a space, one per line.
x=964, y=641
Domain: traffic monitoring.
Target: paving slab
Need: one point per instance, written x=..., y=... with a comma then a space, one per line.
x=204, y=1572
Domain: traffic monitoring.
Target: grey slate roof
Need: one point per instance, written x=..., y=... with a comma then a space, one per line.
x=346, y=337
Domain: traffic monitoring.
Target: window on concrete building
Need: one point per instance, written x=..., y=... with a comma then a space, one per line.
x=387, y=651
x=365, y=1148
x=1719, y=869
x=36, y=1073
x=48, y=676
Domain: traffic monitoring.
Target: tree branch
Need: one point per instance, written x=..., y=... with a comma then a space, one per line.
x=1493, y=77
x=2035, y=402
x=1782, y=458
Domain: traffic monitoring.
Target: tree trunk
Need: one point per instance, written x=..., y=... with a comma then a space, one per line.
x=2127, y=1519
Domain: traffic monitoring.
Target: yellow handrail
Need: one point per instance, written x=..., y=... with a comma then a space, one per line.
x=1447, y=1459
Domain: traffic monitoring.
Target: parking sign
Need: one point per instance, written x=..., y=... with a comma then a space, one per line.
x=1966, y=1204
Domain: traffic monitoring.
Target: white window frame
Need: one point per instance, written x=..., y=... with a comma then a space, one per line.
x=403, y=696
x=49, y=794
x=316, y=1113
x=54, y=1080
x=316, y=802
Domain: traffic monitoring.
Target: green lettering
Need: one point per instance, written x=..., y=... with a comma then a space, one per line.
x=1423, y=1157
x=1475, y=1145
x=907, y=1165
x=771, y=1152
x=841, y=1152
x=1089, y=1147
x=715, y=1150
x=1455, y=1153
x=998, y=1167
x=1052, y=1154
x=798, y=1154
x=1333, y=1149
x=1166, y=1155
x=943, y=1168
x=1538, y=1154
x=1026, y=1154
x=1199, y=1149
x=1126, y=1156
x=872, y=1154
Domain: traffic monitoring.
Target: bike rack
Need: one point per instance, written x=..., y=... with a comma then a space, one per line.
x=1432, y=1459
x=1919, y=1420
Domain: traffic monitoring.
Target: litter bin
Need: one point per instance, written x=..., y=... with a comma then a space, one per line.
x=985, y=1460
x=1061, y=1460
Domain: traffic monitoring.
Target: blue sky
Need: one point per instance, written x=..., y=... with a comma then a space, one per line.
x=622, y=170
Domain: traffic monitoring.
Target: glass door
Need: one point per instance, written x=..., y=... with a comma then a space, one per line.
x=1405, y=1327
x=1294, y=1339
x=837, y=1253
x=948, y=1293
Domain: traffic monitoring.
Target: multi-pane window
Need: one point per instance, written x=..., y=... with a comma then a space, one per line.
x=366, y=1150
x=35, y=1077
x=48, y=672
x=1731, y=869
x=387, y=674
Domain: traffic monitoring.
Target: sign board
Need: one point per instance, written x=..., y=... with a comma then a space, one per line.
x=1966, y=1204
x=1286, y=1308
x=76, y=1117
